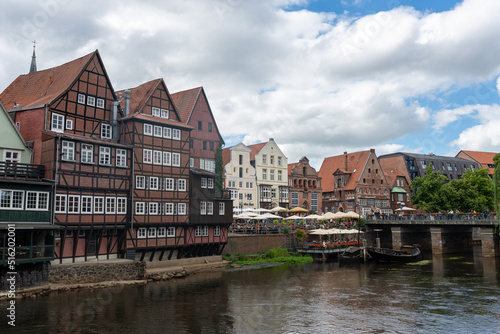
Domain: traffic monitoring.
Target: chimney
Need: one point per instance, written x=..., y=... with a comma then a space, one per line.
x=345, y=156
x=114, y=120
x=127, y=102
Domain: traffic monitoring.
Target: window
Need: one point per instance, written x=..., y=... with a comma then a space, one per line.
x=249, y=197
x=200, y=125
x=209, y=127
x=216, y=231
x=100, y=103
x=140, y=208
x=153, y=208
x=147, y=156
x=158, y=131
x=280, y=176
x=73, y=204
x=231, y=184
x=176, y=159
x=234, y=194
x=121, y=205
x=210, y=208
x=264, y=174
x=240, y=159
x=141, y=233
x=240, y=173
x=273, y=193
x=157, y=157
x=222, y=208
x=11, y=156
x=153, y=183
x=121, y=157
x=69, y=124
x=164, y=113
x=169, y=183
x=37, y=200
x=205, y=231
x=176, y=134
x=171, y=232
x=314, y=202
x=68, y=151
x=181, y=184
x=155, y=112
x=181, y=208
x=204, y=145
x=167, y=159
x=81, y=98
x=266, y=192
x=11, y=199
x=203, y=208
x=197, y=232
x=104, y=155
x=271, y=176
x=148, y=130
x=271, y=159
x=191, y=162
x=162, y=232
x=169, y=209
x=279, y=161
x=60, y=203
x=202, y=163
x=110, y=205
x=210, y=183
x=98, y=204
x=87, y=155
x=91, y=101
x=86, y=204
x=203, y=182
x=57, y=123
x=294, y=199
x=106, y=131
x=211, y=146
x=140, y=182
x=264, y=159
x=167, y=133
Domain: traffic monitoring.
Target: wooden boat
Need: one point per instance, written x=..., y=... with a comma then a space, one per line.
x=352, y=254
x=406, y=254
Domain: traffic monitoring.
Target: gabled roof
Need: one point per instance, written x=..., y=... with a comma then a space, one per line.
x=3, y=110
x=186, y=100
x=255, y=149
x=392, y=177
x=355, y=164
x=395, y=163
x=41, y=88
x=483, y=158
x=291, y=167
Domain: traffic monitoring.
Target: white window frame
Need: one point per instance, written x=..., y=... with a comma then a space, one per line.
x=141, y=233
x=121, y=205
x=87, y=154
x=98, y=204
x=73, y=204
x=171, y=232
x=86, y=205
x=40, y=205
x=176, y=159
x=140, y=182
x=147, y=156
x=57, y=123
x=191, y=162
x=105, y=155
x=167, y=159
x=69, y=124
x=167, y=132
x=153, y=208
x=68, y=150
x=140, y=208
x=15, y=197
x=216, y=231
x=176, y=134
x=91, y=101
x=181, y=184
x=169, y=209
x=210, y=184
x=181, y=209
x=157, y=157
x=222, y=208
x=203, y=182
x=210, y=208
x=153, y=182
x=157, y=131
x=100, y=103
x=164, y=113
x=155, y=112
x=11, y=156
x=121, y=157
x=169, y=184
x=205, y=231
x=203, y=208
x=148, y=129
x=106, y=131
x=162, y=232
x=81, y=98
x=110, y=205
x=197, y=231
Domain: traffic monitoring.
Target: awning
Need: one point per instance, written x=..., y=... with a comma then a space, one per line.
x=398, y=190
x=29, y=226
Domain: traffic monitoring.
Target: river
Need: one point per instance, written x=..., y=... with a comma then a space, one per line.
x=450, y=294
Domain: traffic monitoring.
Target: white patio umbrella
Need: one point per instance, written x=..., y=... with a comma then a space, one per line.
x=248, y=209
x=293, y=217
x=278, y=209
x=328, y=215
x=405, y=208
x=261, y=210
x=338, y=215
x=271, y=216
x=352, y=215
x=312, y=217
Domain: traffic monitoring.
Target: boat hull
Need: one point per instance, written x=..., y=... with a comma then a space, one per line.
x=407, y=254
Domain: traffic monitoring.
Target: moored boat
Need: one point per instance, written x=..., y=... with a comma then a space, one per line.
x=352, y=254
x=406, y=254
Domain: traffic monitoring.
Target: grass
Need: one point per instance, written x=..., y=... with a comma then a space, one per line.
x=275, y=255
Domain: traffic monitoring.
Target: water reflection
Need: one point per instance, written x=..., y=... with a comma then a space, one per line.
x=444, y=294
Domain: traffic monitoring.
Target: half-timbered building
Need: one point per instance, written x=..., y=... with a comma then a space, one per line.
x=70, y=114
x=152, y=125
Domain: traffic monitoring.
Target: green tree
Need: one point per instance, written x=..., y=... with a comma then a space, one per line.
x=219, y=168
x=429, y=195
x=473, y=191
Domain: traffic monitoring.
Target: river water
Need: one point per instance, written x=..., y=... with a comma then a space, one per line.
x=450, y=294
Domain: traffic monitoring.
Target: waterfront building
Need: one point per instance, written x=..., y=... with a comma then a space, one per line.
x=25, y=209
x=194, y=111
x=482, y=159
x=354, y=181
x=271, y=167
x=400, y=188
x=240, y=177
x=69, y=113
x=305, y=186
x=160, y=140
x=414, y=164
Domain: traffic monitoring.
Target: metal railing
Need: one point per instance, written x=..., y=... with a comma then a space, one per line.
x=21, y=171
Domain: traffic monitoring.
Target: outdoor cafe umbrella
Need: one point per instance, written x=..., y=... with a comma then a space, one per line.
x=338, y=215
x=405, y=208
x=261, y=210
x=352, y=215
x=298, y=209
x=278, y=209
x=312, y=217
x=270, y=216
x=293, y=217
x=328, y=215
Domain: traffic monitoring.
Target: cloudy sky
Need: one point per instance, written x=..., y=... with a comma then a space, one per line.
x=319, y=76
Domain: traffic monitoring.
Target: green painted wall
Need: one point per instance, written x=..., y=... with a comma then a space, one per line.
x=10, y=138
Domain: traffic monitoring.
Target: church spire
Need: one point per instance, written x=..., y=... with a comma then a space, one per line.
x=33, y=59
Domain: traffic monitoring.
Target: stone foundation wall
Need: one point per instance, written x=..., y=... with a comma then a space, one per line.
x=252, y=244
x=28, y=275
x=94, y=272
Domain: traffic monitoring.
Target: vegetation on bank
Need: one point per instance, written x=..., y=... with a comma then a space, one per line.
x=275, y=255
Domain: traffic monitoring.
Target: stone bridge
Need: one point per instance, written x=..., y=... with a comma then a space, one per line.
x=439, y=236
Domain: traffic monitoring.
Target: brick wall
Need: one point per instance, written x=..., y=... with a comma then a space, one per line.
x=252, y=244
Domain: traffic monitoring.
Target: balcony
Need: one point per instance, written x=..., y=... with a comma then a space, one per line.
x=21, y=171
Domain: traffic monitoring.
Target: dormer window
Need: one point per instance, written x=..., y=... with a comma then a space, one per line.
x=156, y=112
x=164, y=113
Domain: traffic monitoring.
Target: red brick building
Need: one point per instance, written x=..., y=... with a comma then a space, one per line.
x=304, y=186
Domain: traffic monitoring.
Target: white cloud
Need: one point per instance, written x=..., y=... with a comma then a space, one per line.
x=318, y=83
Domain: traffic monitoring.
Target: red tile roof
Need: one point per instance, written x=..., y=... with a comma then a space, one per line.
x=396, y=163
x=255, y=149
x=157, y=120
x=43, y=87
x=140, y=95
x=185, y=101
x=355, y=164
x=483, y=158
x=291, y=166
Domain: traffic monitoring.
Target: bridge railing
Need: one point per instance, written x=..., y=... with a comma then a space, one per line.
x=434, y=216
